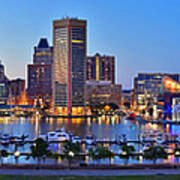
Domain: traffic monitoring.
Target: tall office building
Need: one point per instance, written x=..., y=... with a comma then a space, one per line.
x=4, y=85
x=69, y=41
x=40, y=72
x=100, y=68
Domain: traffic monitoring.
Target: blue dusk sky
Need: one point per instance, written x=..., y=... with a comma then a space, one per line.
x=143, y=35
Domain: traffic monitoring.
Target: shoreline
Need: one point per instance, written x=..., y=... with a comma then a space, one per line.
x=93, y=166
x=89, y=173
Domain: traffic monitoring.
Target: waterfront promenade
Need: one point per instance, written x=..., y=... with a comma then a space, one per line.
x=94, y=172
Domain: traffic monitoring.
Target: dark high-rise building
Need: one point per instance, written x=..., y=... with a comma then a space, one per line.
x=3, y=77
x=40, y=72
x=43, y=53
x=100, y=68
x=17, y=87
x=69, y=41
x=4, y=86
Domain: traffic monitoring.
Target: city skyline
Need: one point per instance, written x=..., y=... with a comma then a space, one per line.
x=155, y=38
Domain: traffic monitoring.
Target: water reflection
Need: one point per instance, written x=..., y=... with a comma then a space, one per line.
x=104, y=127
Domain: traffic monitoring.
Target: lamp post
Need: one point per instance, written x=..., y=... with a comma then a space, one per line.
x=177, y=154
x=16, y=155
x=124, y=153
x=71, y=155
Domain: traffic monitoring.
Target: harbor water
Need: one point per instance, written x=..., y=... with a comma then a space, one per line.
x=105, y=127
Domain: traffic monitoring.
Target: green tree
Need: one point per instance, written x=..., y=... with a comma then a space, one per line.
x=55, y=156
x=151, y=110
x=127, y=104
x=100, y=152
x=143, y=112
x=39, y=150
x=127, y=152
x=3, y=154
x=154, y=153
x=113, y=106
x=71, y=151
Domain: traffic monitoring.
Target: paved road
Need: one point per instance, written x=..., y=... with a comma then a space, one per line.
x=89, y=172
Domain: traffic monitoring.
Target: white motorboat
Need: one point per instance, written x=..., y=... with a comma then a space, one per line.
x=62, y=136
x=60, y=130
x=89, y=140
x=146, y=146
x=43, y=136
x=160, y=140
x=178, y=139
x=51, y=136
x=5, y=139
x=76, y=139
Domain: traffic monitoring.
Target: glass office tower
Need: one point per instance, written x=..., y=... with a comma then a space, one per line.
x=40, y=73
x=69, y=41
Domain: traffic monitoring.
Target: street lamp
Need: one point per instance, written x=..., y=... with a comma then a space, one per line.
x=177, y=154
x=124, y=153
x=16, y=155
x=71, y=154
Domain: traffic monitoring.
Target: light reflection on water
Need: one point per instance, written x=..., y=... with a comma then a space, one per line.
x=106, y=127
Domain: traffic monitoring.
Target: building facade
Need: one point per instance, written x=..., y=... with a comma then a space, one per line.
x=148, y=89
x=100, y=68
x=69, y=42
x=128, y=97
x=17, y=87
x=40, y=73
x=103, y=92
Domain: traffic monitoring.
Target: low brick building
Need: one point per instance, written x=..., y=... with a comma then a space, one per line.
x=103, y=92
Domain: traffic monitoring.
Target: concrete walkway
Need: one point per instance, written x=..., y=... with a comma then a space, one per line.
x=129, y=172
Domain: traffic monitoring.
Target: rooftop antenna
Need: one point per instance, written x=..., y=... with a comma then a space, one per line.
x=65, y=16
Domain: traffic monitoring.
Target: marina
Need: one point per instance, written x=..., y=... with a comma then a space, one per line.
x=109, y=131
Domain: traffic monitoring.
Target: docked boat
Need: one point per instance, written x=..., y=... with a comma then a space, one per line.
x=43, y=136
x=51, y=136
x=5, y=139
x=89, y=140
x=157, y=136
x=60, y=130
x=76, y=139
x=131, y=116
x=62, y=136
x=58, y=135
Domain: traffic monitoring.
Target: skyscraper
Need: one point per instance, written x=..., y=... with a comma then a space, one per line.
x=40, y=72
x=69, y=41
x=4, y=85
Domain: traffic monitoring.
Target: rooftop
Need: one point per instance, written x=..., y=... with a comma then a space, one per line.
x=43, y=43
